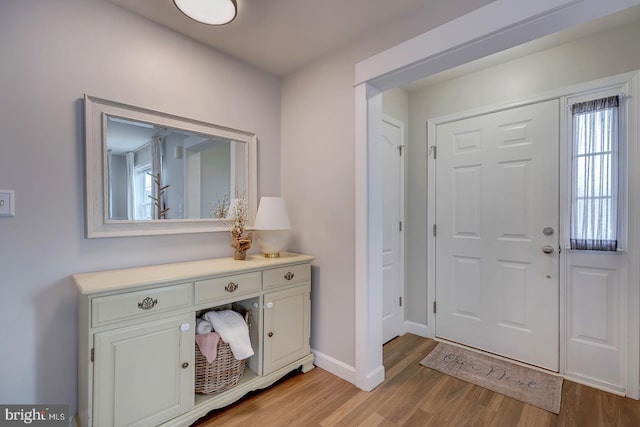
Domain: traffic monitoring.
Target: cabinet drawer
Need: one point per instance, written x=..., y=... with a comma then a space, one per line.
x=228, y=286
x=131, y=305
x=286, y=275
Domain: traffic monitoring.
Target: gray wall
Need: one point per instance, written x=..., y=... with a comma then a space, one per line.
x=318, y=180
x=53, y=52
x=216, y=176
x=600, y=55
x=118, y=186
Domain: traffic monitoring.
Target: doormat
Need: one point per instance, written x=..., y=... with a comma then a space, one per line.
x=524, y=384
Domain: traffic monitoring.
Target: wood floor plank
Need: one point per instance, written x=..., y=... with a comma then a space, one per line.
x=346, y=408
x=414, y=396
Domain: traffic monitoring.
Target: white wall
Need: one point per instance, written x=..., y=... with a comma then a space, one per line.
x=395, y=103
x=52, y=54
x=607, y=53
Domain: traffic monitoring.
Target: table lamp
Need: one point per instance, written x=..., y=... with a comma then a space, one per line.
x=272, y=225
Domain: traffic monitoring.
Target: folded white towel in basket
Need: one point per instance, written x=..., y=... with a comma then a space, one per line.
x=203, y=326
x=233, y=330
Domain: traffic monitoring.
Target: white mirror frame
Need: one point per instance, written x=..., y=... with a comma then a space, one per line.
x=96, y=172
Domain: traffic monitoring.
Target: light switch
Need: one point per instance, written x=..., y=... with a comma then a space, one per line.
x=7, y=203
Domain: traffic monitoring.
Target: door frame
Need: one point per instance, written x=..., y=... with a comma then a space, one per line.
x=497, y=26
x=401, y=261
x=631, y=324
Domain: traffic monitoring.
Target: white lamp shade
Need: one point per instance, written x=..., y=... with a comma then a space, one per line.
x=272, y=215
x=212, y=12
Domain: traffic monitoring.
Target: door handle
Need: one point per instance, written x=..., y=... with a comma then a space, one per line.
x=548, y=249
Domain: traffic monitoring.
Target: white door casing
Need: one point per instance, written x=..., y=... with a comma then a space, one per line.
x=496, y=191
x=392, y=218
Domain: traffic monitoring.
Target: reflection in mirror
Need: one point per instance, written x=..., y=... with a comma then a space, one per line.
x=154, y=173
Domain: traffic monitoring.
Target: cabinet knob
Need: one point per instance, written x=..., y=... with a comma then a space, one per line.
x=289, y=275
x=148, y=303
x=185, y=365
x=231, y=287
x=270, y=334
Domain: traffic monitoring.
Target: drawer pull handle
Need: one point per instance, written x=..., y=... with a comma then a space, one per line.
x=270, y=334
x=148, y=303
x=288, y=276
x=185, y=365
x=231, y=287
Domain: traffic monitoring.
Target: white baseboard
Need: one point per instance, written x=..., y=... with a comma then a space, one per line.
x=594, y=383
x=373, y=379
x=335, y=367
x=417, y=329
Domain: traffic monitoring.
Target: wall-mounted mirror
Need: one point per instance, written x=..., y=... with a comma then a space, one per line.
x=155, y=173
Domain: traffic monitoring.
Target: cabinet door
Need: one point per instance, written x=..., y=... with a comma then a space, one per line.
x=143, y=374
x=286, y=326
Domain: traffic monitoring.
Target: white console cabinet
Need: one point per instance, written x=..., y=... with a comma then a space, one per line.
x=136, y=334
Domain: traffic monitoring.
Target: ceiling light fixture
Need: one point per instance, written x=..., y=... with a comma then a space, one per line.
x=210, y=12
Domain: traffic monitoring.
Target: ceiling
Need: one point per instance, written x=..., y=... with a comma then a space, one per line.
x=280, y=36
x=628, y=16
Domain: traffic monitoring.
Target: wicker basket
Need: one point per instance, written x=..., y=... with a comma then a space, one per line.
x=221, y=374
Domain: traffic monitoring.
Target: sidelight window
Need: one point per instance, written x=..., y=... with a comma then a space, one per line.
x=594, y=175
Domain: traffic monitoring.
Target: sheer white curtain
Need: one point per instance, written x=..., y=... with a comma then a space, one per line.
x=594, y=198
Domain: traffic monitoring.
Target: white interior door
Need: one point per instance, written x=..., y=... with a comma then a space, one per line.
x=497, y=215
x=392, y=201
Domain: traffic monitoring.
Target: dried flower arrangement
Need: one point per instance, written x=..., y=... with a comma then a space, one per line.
x=221, y=208
x=239, y=214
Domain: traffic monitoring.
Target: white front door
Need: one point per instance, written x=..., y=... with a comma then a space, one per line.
x=497, y=288
x=392, y=200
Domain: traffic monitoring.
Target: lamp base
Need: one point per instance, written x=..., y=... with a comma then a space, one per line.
x=272, y=242
x=274, y=255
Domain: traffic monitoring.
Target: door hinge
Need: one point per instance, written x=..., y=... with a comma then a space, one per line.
x=400, y=298
x=434, y=307
x=93, y=354
x=434, y=229
x=433, y=150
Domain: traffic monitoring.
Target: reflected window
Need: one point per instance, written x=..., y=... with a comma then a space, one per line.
x=142, y=192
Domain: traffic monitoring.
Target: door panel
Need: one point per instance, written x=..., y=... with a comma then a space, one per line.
x=496, y=190
x=286, y=338
x=392, y=285
x=144, y=373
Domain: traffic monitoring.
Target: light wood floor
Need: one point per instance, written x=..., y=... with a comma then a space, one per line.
x=413, y=395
